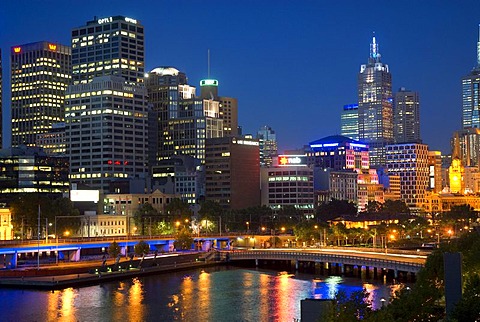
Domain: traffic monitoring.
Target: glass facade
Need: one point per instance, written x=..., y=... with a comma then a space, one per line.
x=375, y=111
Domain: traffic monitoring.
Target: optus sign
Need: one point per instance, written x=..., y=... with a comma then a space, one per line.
x=292, y=160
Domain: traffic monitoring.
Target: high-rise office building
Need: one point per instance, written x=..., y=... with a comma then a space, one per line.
x=339, y=153
x=108, y=46
x=406, y=117
x=232, y=172
x=1, y=107
x=106, y=114
x=411, y=162
x=466, y=147
x=349, y=121
x=471, y=95
x=40, y=74
x=184, y=121
x=375, y=112
x=268, y=145
x=106, y=131
x=228, y=107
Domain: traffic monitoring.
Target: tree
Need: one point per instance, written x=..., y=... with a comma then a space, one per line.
x=183, y=239
x=142, y=248
x=143, y=212
x=468, y=308
x=355, y=307
x=114, y=250
x=178, y=208
x=394, y=207
x=335, y=208
x=25, y=210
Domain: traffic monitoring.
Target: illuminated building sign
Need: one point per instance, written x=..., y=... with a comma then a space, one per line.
x=358, y=145
x=245, y=142
x=104, y=20
x=292, y=160
x=110, y=19
x=117, y=162
x=17, y=49
x=52, y=46
x=324, y=145
x=209, y=82
x=130, y=20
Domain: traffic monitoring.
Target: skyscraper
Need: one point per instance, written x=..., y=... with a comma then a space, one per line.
x=228, y=107
x=268, y=145
x=106, y=123
x=1, y=89
x=184, y=121
x=471, y=95
x=406, y=117
x=108, y=46
x=375, y=112
x=40, y=74
x=106, y=112
x=349, y=121
x=411, y=162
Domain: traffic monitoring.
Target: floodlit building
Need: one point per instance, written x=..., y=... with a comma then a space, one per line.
x=435, y=171
x=40, y=74
x=375, y=111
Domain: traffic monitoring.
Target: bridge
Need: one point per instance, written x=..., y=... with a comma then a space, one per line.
x=341, y=260
x=73, y=249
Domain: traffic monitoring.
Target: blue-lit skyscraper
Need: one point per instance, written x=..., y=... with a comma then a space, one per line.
x=349, y=121
x=375, y=112
x=471, y=95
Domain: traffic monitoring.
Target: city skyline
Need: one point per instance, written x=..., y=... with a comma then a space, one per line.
x=293, y=61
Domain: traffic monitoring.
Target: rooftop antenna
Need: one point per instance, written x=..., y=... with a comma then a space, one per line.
x=208, y=63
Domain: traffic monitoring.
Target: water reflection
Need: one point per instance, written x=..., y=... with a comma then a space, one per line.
x=213, y=294
x=135, y=301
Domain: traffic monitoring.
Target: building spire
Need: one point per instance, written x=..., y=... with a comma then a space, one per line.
x=374, y=53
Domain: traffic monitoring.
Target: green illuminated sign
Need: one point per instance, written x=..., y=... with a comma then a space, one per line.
x=209, y=82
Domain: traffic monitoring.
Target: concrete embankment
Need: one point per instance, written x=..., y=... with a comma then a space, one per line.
x=85, y=274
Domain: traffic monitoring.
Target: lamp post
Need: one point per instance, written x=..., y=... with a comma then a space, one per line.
x=248, y=226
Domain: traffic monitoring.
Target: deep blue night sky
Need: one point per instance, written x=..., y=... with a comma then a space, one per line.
x=291, y=64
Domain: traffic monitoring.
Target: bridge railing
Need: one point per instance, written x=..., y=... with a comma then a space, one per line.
x=334, y=258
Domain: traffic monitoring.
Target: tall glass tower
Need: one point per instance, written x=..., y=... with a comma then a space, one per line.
x=375, y=112
x=471, y=95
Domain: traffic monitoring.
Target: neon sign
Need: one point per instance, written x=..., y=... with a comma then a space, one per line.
x=17, y=49
x=52, y=46
x=292, y=160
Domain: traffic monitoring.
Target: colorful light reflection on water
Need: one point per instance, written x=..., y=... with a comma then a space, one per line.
x=214, y=294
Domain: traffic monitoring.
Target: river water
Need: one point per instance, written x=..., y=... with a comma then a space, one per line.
x=210, y=294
